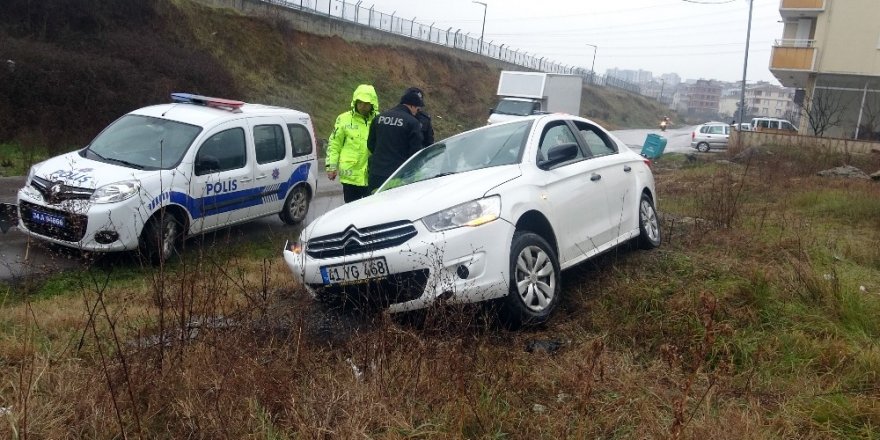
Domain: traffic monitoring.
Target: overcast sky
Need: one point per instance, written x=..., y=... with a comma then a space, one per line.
x=694, y=40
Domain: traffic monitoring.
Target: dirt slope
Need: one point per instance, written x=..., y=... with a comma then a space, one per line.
x=79, y=64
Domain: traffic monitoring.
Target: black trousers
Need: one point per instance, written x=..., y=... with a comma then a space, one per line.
x=351, y=193
x=376, y=182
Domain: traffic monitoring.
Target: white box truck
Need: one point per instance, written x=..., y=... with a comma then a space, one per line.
x=528, y=93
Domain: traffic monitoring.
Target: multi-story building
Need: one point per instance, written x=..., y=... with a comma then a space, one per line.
x=703, y=98
x=830, y=49
x=765, y=99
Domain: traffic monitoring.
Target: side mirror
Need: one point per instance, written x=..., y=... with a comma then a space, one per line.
x=559, y=154
x=207, y=165
x=492, y=110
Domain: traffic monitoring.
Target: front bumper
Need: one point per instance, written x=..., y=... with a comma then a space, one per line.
x=81, y=221
x=460, y=265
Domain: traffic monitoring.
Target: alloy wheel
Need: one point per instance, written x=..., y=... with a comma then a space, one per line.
x=535, y=278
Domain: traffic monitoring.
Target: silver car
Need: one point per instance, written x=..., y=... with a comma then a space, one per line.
x=710, y=135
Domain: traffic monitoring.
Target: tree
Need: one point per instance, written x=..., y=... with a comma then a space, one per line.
x=823, y=109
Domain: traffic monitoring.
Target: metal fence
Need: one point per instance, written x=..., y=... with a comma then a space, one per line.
x=449, y=37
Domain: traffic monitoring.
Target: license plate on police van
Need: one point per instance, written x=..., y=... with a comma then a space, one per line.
x=45, y=218
x=354, y=272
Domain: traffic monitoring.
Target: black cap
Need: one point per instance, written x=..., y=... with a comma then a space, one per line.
x=413, y=96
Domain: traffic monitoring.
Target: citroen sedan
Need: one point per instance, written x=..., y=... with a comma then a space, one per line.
x=491, y=214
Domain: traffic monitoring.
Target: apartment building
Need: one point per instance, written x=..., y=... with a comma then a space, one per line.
x=702, y=98
x=830, y=49
x=765, y=99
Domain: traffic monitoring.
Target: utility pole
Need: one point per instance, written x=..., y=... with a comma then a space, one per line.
x=742, y=95
x=483, y=31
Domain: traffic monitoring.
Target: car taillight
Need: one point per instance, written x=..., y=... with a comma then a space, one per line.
x=648, y=162
x=693, y=135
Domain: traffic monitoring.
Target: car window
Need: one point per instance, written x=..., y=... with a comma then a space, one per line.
x=597, y=141
x=787, y=126
x=144, y=142
x=704, y=129
x=773, y=124
x=300, y=139
x=490, y=146
x=556, y=134
x=269, y=143
x=715, y=129
x=227, y=148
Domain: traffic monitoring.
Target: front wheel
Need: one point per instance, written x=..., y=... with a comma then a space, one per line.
x=534, y=291
x=703, y=147
x=649, y=226
x=161, y=236
x=296, y=206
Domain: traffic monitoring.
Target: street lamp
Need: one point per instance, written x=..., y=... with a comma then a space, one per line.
x=593, y=68
x=482, y=32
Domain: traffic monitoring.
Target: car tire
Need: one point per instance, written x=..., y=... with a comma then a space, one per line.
x=535, y=280
x=703, y=147
x=161, y=237
x=649, y=224
x=296, y=206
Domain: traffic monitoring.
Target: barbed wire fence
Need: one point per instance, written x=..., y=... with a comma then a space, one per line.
x=448, y=37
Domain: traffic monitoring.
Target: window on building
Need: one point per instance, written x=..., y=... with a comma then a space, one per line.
x=758, y=93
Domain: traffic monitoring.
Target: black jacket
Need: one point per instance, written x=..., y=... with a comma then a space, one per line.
x=395, y=135
x=427, y=129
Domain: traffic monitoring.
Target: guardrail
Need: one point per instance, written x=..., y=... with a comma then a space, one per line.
x=449, y=37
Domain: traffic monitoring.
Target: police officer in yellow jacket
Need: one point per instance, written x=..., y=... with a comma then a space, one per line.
x=347, y=154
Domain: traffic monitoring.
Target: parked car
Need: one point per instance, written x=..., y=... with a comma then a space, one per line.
x=710, y=135
x=745, y=126
x=494, y=213
x=161, y=173
x=772, y=124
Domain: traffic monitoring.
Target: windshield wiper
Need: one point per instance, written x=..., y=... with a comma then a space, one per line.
x=119, y=161
x=448, y=173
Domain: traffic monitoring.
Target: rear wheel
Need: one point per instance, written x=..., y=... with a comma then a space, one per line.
x=703, y=147
x=649, y=225
x=534, y=281
x=296, y=206
x=161, y=237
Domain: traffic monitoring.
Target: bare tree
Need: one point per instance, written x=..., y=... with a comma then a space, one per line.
x=870, y=127
x=824, y=109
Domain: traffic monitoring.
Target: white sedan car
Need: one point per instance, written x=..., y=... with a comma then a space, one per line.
x=494, y=213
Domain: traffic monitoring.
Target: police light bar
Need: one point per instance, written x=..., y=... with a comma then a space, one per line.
x=224, y=104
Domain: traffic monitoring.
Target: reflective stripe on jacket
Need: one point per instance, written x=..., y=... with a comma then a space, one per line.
x=347, y=152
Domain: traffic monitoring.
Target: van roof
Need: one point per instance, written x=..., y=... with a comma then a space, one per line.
x=204, y=116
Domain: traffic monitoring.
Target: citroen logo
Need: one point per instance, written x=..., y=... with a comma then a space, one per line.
x=55, y=190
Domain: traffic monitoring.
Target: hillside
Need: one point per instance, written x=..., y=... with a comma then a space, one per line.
x=77, y=65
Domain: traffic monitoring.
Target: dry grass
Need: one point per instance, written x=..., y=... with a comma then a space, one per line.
x=754, y=327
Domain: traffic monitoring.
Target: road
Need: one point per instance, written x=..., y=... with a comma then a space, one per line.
x=22, y=257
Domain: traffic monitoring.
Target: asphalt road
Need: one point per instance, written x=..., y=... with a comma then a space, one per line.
x=23, y=257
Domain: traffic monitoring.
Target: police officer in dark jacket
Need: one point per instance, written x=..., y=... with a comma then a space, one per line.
x=395, y=135
x=424, y=119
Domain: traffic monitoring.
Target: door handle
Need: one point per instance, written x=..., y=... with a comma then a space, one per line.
x=245, y=180
x=595, y=177
x=262, y=176
x=627, y=168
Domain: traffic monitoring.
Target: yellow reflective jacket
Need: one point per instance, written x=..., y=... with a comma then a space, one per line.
x=347, y=152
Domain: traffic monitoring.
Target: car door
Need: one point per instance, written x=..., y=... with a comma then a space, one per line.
x=576, y=204
x=271, y=166
x=617, y=177
x=715, y=136
x=222, y=173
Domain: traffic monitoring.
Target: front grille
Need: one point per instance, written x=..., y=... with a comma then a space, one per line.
x=356, y=241
x=57, y=192
x=393, y=289
x=74, y=228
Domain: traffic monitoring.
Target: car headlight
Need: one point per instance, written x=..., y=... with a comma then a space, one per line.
x=30, y=175
x=473, y=213
x=116, y=192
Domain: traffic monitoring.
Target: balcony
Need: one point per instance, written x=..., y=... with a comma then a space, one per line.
x=792, y=60
x=790, y=9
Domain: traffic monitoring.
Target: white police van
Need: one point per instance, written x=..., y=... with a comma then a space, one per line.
x=166, y=171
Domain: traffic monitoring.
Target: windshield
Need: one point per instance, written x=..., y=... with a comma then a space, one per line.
x=143, y=142
x=491, y=146
x=520, y=108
